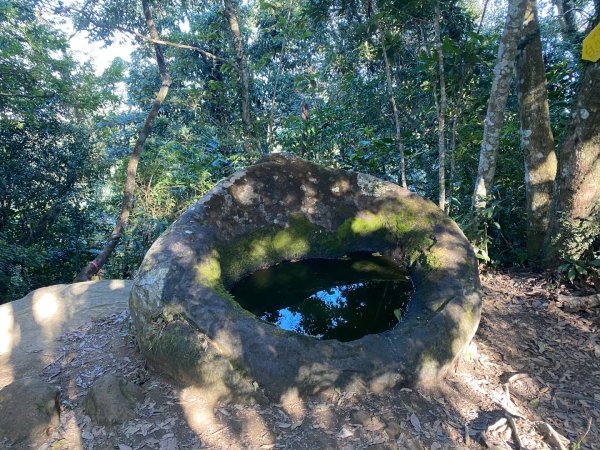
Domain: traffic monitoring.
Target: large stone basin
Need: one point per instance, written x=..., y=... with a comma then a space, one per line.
x=286, y=208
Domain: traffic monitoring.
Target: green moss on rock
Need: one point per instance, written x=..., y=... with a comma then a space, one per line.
x=301, y=238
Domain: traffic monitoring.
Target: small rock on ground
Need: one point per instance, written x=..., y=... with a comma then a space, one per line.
x=29, y=412
x=111, y=400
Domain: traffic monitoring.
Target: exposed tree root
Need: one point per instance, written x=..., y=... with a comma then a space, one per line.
x=551, y=436
x=575, y=304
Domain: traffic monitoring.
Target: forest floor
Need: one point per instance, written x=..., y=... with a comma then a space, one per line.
x=546, y=360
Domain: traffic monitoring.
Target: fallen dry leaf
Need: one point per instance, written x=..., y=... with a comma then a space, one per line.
x=416, y=423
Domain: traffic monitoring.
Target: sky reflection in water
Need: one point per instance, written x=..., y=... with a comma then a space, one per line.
x=342, y=299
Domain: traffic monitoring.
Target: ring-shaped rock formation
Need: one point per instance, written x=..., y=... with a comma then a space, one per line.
x=286, y=208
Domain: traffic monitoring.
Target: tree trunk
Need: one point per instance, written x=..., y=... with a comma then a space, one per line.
x=577, y=189
x=280, y=66
x=231, y=13
x=441, y=110
x=494, y=119
x=566, y=19
x=537, y=141
x=452, y=155
x=96, y=264
x=305, y=114
x=392, y=99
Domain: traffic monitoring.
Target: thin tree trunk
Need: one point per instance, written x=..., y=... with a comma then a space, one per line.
x=452, y=156
x=392, y=99
x=305, y=114
x=566, y=19
x=503, y=74
x=537, y=141
x=96, y=264
x=270, y=124
x=481, y=19
x=231, y=13
x=466, y=72
x=441, y=110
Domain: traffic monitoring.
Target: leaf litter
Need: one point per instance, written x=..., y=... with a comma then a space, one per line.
x=530, y=375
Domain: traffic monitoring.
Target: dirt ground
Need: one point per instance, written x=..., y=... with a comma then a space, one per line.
x=530, y=362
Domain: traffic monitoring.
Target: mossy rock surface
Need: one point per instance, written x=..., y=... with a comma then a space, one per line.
x=286, y=208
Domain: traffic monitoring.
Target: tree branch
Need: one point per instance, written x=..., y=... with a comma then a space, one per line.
x=142, y=36
x=176, y=45
x=9, y=94
x=94, y=266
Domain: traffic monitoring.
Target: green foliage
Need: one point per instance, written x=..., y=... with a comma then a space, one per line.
x=579, y=246
x=500, y=237
x=66, y=133
x=50, y=158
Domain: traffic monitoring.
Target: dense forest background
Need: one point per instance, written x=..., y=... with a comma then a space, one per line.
x=93, y=167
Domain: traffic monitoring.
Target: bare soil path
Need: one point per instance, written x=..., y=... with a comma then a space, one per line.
x=530, y=363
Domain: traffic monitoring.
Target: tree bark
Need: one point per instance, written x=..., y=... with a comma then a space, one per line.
x=305, y=115
x=94, y=266
x=452, y=155
x=231, y=13
x=441, y=110
x=537, y=141
x=503, y=73
x=566, y=19
x=392, y=99
x=280, y=66
x=576, y=195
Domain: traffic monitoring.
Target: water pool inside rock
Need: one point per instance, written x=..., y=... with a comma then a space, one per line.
x=342, y=299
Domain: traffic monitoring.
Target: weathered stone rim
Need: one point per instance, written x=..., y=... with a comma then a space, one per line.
x=180, y=289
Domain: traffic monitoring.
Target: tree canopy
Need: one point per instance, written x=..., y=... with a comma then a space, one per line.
x=397, y=89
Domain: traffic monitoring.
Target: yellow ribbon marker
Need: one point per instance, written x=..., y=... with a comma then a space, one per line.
x=591, y=45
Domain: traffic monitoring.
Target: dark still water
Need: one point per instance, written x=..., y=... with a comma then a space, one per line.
x=342, y=299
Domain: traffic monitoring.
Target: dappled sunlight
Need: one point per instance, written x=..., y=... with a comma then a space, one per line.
x=236, y=357
x=198, y=411
x=293, y=405
x=74, y=432
x=46, y=308
x=265, y=217
x=230, y=343
x=200, y=408
x=253, y=424
x=10, y=337
x=340, y=188
x=81, y=288
x=116, y=284
x=29, y=326
x=208, y=270
x=10, y=331
x=527, y=359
